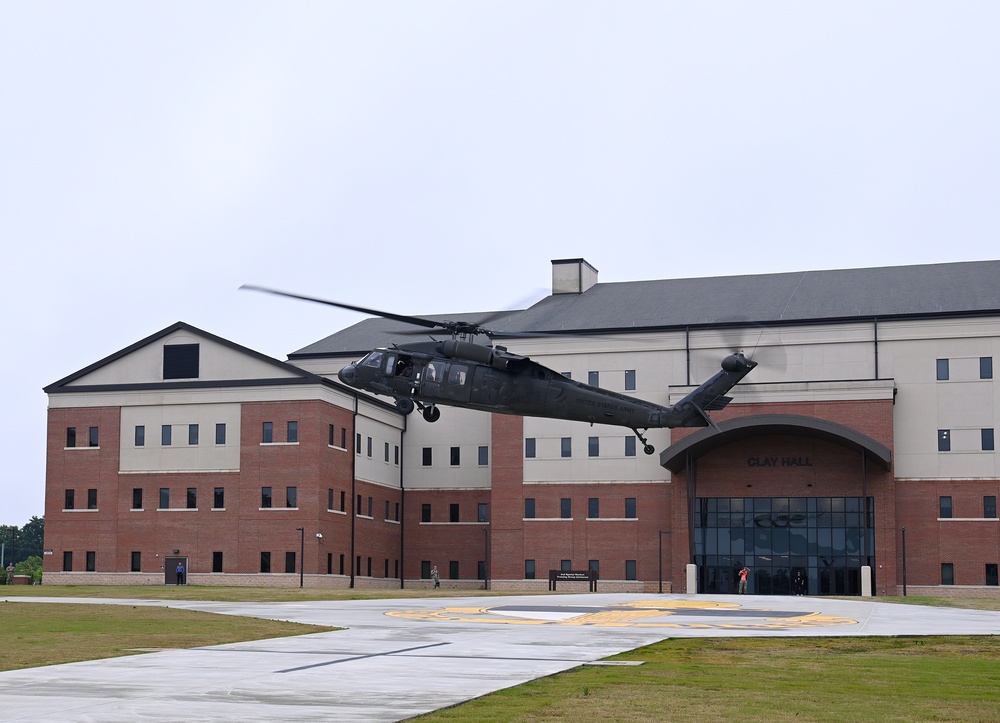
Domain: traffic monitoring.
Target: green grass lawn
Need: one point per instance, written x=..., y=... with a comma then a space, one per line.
x=34, y=634
x=766, y=679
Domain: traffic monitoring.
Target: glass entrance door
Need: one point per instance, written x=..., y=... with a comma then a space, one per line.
x=778, y=538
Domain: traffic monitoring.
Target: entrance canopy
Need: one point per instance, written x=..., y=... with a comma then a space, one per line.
x=674, y=457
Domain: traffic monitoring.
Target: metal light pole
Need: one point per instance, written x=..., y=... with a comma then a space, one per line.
x=486, y=551
x=659, y=539
x=904, y=562
x=302, y=553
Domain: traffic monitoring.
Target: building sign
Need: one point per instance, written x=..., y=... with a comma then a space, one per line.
x=779, y=462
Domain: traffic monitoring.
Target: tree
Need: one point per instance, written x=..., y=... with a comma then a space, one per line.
x=31, y=566
x=24, y=542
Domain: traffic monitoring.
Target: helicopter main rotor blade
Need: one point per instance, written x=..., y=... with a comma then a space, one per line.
x=375, y=312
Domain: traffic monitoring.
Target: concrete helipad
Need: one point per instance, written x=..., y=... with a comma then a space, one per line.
x=400, y=658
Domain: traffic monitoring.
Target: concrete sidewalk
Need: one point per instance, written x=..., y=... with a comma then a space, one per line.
x=399, y=658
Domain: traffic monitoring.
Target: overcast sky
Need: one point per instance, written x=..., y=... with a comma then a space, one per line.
x=429, y=157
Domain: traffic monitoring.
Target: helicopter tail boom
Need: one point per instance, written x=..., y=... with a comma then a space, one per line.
x=692, y=410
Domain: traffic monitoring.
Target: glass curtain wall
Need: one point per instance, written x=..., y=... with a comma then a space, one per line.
x=777, y=537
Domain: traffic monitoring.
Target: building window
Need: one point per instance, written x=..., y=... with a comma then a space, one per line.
x=220, y=433
x=630, y=380
x=342, y=567
x=566, y=508
x=343, y=437
x=481, y=570
x=593, y=507
x=453, y=512
x=944, y=507
x=484, y=455
x=944, y=440
x=332, y=437
x=566, y=447
x=594, y=379
x=193, y=435
x=987, y=437
x=69, y=500
x=529, y=447
x=217, y=561
x=136, y=565
x=357, y=443
x=990, y=507
x=291, y=497
x=947, y=573
x=265, y=497
x=137, y=498
x=267, y=432
x=140, y=436
x=358, y=505
x=265, y=562
x=386, y=451
x=219, y=498
x=425, y=569
x=70, y=436
x=594, y=566
x=180, y=361
x=91, y=499
x=529, y=508
x=329, y=499
x=164, y=498
x=94, y=437
x=395, y=454
x=369, y=447
x=343, y=501
x=630, y=446
x=289, y=562
x=529, y=569
x=453, y=570
x=456, y=456
x=387, y=508
x=565, y=565
x=67, y=562
x=427, y=456
x=630, y=508
x=630, y=570
x=593, y=446
x=166, y=433
x=370, y=507
x=942, y=370
x=482, y=512
x=985, y=367
x=293, y=432
x=91, y=565
x=991, y=574
x=192, y=498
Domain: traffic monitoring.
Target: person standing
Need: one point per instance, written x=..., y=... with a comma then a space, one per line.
x=180, y=573
x=436, y=577
x=744, y=573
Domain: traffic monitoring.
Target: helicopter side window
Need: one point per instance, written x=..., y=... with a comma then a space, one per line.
x=458, y=374
x=390, y=364
x=372, y=360
x=404, y=367
x=435, y=372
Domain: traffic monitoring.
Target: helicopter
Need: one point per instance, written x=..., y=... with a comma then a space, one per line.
x=460, y=373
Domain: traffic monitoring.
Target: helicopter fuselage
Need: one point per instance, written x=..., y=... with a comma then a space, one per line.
x=462, y=374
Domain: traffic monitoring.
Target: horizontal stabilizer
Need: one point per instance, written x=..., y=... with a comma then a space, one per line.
x=717, y=404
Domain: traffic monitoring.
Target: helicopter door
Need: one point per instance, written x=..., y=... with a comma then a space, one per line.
x=457, y=383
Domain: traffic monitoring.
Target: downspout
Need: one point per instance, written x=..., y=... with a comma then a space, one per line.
x=354, y=492
x=402, y=507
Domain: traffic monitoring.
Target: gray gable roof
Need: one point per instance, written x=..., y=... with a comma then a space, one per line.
x=965, y=288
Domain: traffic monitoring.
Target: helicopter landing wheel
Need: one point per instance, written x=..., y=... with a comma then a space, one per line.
x=405, y=405
x=432, y=413
x=646, y=446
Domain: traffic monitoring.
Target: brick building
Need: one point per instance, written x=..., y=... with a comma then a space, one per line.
x=871, y=411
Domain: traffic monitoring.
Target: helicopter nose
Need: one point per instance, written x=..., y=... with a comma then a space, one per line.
x=346, y=375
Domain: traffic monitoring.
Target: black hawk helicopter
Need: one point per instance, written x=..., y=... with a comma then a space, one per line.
x=460, y=373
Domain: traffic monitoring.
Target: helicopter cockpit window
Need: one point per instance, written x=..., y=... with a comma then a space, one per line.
x=372, y=360
x=435, y=372
x=458, y=374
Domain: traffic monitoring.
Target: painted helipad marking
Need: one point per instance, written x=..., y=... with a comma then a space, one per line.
x=686, y=614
